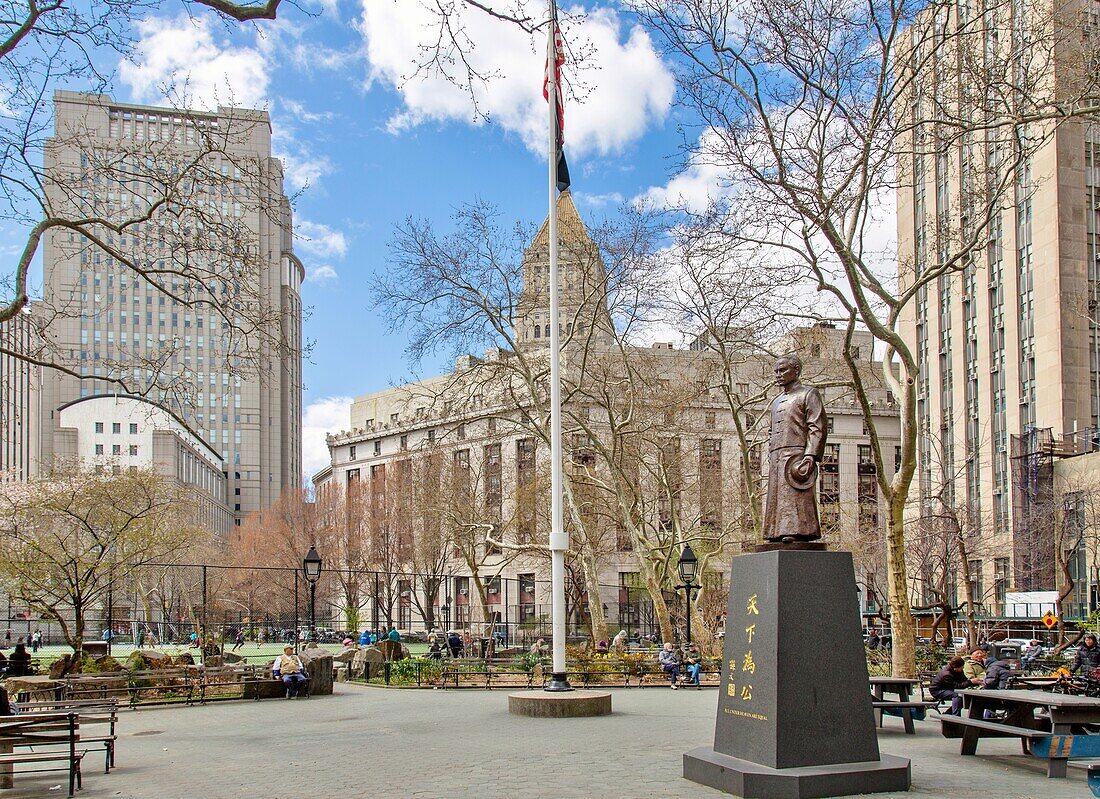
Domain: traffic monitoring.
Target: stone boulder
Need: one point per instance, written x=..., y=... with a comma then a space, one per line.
x=318, y=663
x=393, y=650
x=61, y=666
x=345, y=655
x=367, y=663
x=231, y=657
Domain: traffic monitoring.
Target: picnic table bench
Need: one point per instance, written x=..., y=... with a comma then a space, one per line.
x=1058, y=735
x=42, y=730
x=904, y=706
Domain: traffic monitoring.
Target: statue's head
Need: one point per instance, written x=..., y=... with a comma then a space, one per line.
x=788, y=368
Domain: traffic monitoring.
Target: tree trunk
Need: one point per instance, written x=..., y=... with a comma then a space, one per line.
x=592, y=586
x=902, y=628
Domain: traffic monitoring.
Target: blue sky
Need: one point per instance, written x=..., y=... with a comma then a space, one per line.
x=367, y=149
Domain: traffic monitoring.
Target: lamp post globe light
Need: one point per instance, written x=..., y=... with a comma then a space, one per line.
x=311, y=567
x=688, y=567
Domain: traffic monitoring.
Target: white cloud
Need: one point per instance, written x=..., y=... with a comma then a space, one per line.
x=302, y=113
x=321, y=274
x=628, y=86
x=319, y=240
x=321, y=417
x=180, y=58
x=701, y=181
x=598, y=200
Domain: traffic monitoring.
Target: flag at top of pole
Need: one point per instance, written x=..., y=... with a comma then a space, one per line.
x=555, y=58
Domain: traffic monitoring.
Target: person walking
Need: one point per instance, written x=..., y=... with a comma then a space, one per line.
x=36, y=641
x=670, y=663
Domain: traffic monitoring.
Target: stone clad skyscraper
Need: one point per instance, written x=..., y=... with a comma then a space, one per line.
x=1009, y=342
x=194, y=302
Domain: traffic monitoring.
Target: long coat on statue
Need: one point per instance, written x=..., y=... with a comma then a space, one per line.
x=798, y=428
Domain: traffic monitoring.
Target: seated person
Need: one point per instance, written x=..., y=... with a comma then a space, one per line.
x=948, y=682
x=693, y=663
x=288, y=667
x=998, y=675
x=7, y=707
x=19, y=664
x=1030, y=653
x=435, y=651
x=670, y=663
x=974, y=668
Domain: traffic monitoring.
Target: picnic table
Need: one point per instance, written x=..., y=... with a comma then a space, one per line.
x=904, y=705
x=1049, y=725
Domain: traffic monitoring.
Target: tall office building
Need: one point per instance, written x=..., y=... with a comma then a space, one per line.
x=1008, y=344
x=211, y=327
x=20, y=393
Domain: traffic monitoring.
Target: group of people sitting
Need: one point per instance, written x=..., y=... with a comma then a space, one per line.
x=687, y=663
x=979, y=670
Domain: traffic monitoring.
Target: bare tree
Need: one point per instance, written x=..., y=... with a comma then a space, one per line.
x=69, y=537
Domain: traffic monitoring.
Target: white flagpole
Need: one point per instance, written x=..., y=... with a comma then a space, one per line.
x=559, y=539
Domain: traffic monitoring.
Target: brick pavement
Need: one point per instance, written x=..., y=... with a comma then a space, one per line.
x=455, y=744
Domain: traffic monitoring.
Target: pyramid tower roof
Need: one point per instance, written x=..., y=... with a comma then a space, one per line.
x=571, y=229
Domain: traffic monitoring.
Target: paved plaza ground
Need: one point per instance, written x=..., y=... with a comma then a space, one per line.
x=429, y=743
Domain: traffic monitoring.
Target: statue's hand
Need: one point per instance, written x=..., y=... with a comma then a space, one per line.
x=805, y=466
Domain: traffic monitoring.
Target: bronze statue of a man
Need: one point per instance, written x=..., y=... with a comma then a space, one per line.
x=798, y=432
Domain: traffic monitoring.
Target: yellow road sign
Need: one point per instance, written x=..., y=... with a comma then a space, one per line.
x=1050, y=620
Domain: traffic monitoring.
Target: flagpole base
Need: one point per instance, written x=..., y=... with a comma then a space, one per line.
x=558, y=682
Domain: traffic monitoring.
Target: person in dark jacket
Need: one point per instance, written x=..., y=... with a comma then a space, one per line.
x=948, y=682
x=19, y=664
x=998, y=675
x=1088, y=656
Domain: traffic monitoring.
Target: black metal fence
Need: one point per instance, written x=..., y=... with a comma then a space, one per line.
x=247, y=609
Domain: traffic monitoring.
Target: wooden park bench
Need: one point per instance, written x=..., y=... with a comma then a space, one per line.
x=55, y=738
x=90, y=712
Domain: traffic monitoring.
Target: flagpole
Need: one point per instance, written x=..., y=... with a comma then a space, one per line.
x=559, y=539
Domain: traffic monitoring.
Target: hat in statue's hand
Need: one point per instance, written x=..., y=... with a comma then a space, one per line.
x=800, y=474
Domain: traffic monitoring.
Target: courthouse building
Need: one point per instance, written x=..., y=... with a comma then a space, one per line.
x=487, y=427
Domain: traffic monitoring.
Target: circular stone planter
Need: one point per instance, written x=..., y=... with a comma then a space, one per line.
x=559, y=705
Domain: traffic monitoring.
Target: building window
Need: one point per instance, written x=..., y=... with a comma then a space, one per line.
x=98, y=449
x=404, y=442
x=378, y=447
x=116, y=449
x=133, y=449
x=116, y=427
x=353, y=476
x=99, y=427
x=133, y=428
x=351, y=452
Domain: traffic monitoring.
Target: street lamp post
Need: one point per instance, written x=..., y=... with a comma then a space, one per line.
x=311, y=568
x=689, y=568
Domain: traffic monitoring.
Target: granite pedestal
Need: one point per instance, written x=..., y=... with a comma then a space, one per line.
x=559, y=705
x=794, y=713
